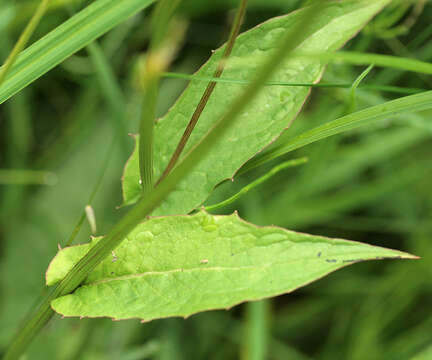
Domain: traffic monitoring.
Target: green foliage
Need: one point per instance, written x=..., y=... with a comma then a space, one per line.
x=71, y=36
x=263, y=120
x=367, y=116
x=370, y=183
x=181, y=265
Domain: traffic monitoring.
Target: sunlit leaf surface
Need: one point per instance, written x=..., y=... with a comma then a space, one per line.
x=264, y=120
x=181, y=265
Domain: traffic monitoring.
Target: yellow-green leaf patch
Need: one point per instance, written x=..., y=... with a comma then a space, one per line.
x=181, y=265
x=265, y=119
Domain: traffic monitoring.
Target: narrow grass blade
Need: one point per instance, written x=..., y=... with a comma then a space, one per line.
x=384, y=111
x=24, y=38
x=388, y=88
x=162, y=49
x=146, y=205
x=264, y=119
x=358, y=58
x=355, y=85
x=254, y=184
x=71, y=36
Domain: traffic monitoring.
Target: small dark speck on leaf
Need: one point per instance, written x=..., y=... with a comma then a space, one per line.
x=331, y=260
x=319, y=254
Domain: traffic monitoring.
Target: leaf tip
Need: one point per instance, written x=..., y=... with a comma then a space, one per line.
x=401, y=256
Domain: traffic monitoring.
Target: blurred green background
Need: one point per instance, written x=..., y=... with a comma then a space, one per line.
x=371, y=185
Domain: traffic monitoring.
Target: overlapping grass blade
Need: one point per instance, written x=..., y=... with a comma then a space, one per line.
x=264, y=119
x=373, y=114
x=388, y=61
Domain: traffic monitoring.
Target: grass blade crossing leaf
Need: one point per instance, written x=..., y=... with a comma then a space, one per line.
x=395, y=89
x=71, y=36
x=181, y=265
x=257, y=182
x=75, y=277
x=265, y=118
x=235, y=29
x=384, y=111
x=390, y=61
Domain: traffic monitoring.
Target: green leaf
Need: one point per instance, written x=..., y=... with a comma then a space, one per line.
x=264, y=120
x=68, y=38
x=181, y=265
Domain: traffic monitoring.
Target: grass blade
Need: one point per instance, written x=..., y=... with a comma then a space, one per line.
x=358, y=58
x=355, y=85
x=257, y=182
x=159, y=57
x=405, y=104
x=264, y=119
x=147, y=204
x=24, y=38
x=71, y=36
x=394, y=89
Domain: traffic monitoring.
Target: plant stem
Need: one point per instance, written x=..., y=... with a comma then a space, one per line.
x=23, y=39
x=235, y=29
x=146, y=132
x=257, y=330
x=353, y=103
x=156, y=62
x=148, y=203
x=257, y=182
